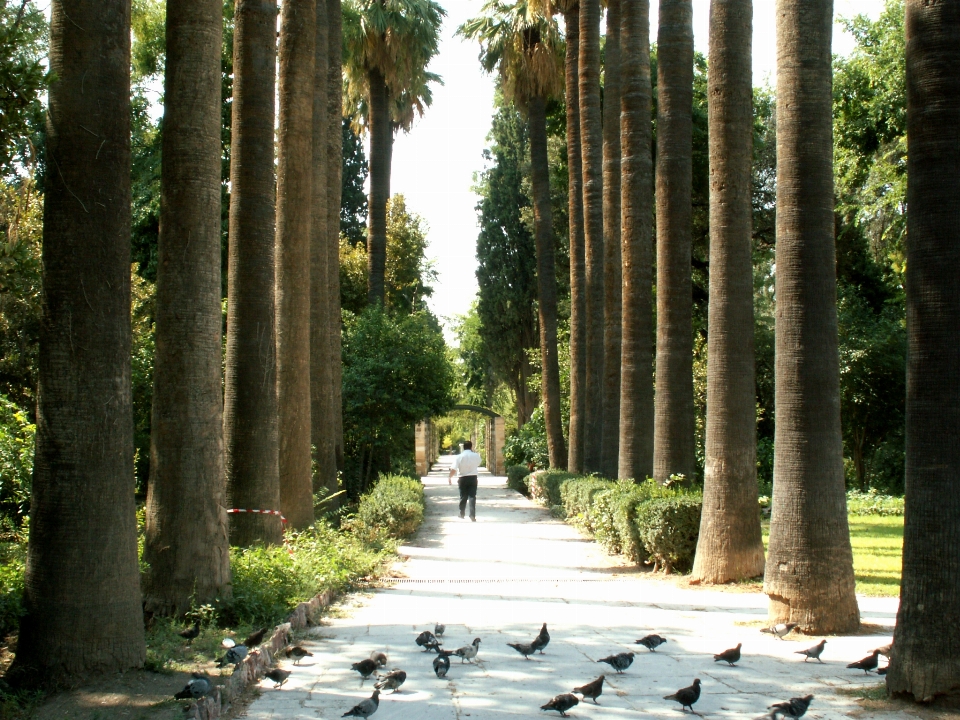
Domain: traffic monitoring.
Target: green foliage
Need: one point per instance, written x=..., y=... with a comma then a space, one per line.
x=149, y=48
x=545, y=486
x=528, y=445
x=13, y=560
x=16, y=462
x=577, y=498
x=668, y=529
x=353, y=199
x=143, y=295
x=23, y=51
x=393, y=507
x=516, y=478
x=873, y=503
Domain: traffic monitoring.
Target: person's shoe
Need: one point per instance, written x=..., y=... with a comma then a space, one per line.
x=461, y=516
x=473, y=519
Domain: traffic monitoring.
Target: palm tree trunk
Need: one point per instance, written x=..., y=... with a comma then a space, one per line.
x=381, y=150
x=926, y=662
x=809, y=573
x=186, y=544
x=578, y=306
x=250, y=389
x=612, y=280
x=591, y=144
x=294, y=218
x=636, y=377
x=730, y=546
x=546, y=281
x=82, y=585
x=673, y=448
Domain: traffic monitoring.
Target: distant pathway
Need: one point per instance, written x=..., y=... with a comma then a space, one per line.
x=499, y=578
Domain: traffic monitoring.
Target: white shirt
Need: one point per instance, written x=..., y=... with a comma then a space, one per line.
x=467, y=463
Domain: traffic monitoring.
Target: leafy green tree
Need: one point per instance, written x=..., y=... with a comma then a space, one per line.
x=353, y=200
x=23, y=49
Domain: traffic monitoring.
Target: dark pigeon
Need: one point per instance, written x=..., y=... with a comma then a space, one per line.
x=780, y=629
x=392, y=680
x=592, y=689
x=298, y=653
x=195, y=689
x=365, y=667
x=525, y=649
x=191, y=632
x=793, y=709
x=867, y=664
x=365, y=708
x=542, y=640
x=428, y=641
x=562, y=703
x=883, y=670
x=686, y=696
x=255, y=638
x=731, y=656
x=812, y=652
x=651, y=642
x=278, y=676
x=379, y=658
x=619, y=662
x=441, y=664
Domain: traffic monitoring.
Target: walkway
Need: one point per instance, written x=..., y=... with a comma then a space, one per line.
x=516, y=567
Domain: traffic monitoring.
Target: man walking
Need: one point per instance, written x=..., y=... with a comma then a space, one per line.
x=466, y=466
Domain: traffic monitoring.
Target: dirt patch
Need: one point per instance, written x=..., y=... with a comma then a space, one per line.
x=873, y=701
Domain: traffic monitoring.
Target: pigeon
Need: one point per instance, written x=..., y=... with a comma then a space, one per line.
x=562, y=703
x=542, y=640
x=886, y=650
x=365, y=708
x=731, y=656
x=255, y=638
x=468, y=652
x=365, y=667
x=439, y=629
x=195, y=689
x=780, y=629
x=278, y=676
x=592, y=689
x=525, y=649
x=298, y=653
x=191, y=632
x=812, y=652
x=392, y=680
x=619, y=662
x=428, y=641
x=228, y=642
x=867, y=664
x=651, y=642
x=883, y=670
x=793, y=709
x=686, y=696
x=233, y=656
x=441, y=664
x=379, y=658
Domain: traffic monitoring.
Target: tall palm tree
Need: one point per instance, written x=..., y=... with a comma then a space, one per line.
x=294, y=221
x=809, y=573
x=524, y=46
x=591, y=145
x=186, y=544
x=612, y=280
x=730, y=545
x=82, y=582
x=250, y=389
x=636, y=375
x=925, y=664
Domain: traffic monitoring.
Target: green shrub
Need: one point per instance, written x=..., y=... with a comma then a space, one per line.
x=577, y=495
x=668, y=529
x=12, y=563
x=529, y=443
x=516, y=474
x=544, y=486
x=16, y=461
x=394, y=506
x=873, y=503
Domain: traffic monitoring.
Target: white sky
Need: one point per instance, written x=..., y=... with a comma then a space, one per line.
x=433, y=166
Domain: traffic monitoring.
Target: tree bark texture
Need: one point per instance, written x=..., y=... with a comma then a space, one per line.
x=381, y=152
x=591, y=144
x=636, y=374
x=612, y=276
x=250, y=393
x=578, y=305
x=186, y=543
x=295, y=170
x=730, y=546
x=82, y=583
x=674, y=450
x=546, y=281
x=809, y=573
x=926, y=662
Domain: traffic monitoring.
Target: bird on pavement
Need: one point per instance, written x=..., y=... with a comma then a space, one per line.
x=592, y=689
x=365, y=667
x=392, y=680
x=886, y=650
x=278, y=676
x=468, y=652
x=298, y=653
x=780, y=629
x=619, y=662
x=365, y=708
x=812, y=652
x=562, y=703
x=686, y=696
x=542, y=640
x=255, y=638
x=195, y=689
x=883, y=670
x=439, y=629
x=795, y=708
x=379, y=658
x=731, y=656
x=441, y=663
x=191, y=632
x=651, y=642
x=525, y=649
x=867, y=664
x=428, y=641
x=233, y=656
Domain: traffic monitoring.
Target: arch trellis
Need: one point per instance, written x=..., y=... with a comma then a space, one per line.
x=428, y=446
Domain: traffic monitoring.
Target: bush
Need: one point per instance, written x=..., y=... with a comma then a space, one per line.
x=528, y=445
x=16, y=461
x=12, y=563
x=668, y=529
x=516, y=475
x=544, y=486
x=872, y=503
x=577, y=496
x=394, y=506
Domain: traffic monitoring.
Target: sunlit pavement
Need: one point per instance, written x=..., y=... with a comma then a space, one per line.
x=516, y=567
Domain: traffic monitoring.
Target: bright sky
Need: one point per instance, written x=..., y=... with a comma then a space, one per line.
x=434, y=165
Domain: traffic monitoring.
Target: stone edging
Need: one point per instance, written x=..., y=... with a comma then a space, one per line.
x=258, y=662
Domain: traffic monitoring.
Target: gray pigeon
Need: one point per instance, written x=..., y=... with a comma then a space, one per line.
x=392, y=680
x=439, y=629
x=195, y=689
x=731, y=656
x=542, y=640
x=525, y=649
x=278, y=676
x=365, y=667
x=651, y=642
x=592, y=689
x=468, y=652
x=379, y=658
x=793, y=709
x=441, y=663
x=886, y=650
x=298, y=653
x=365, y=708
x=812, y=652
x=428, y=641
x=619, y=662
x=562, y=703
x=867, y=664
x=686, y=696
x=233, y=656
x=780, y=629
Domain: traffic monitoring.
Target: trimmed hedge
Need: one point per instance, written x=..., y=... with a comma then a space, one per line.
x=668, y=529
x=394, y=506
x=516, y=476
x=544, y=486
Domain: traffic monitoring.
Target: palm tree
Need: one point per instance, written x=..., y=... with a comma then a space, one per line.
x=612, y=280
x=809, y=573
x=730, y=546
x=82, y=582
x=186, y=544
x=925, y=663
x=591, y=145
x=298, y=39
x=388, y=47
x=525, y=46
x=636, y=376
x=250, y=389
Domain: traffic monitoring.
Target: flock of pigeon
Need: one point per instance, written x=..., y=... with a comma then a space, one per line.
x=794, y=708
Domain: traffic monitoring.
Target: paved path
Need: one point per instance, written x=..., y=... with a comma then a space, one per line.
x=516, y=567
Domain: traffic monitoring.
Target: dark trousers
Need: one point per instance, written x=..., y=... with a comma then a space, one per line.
x=468, y=491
